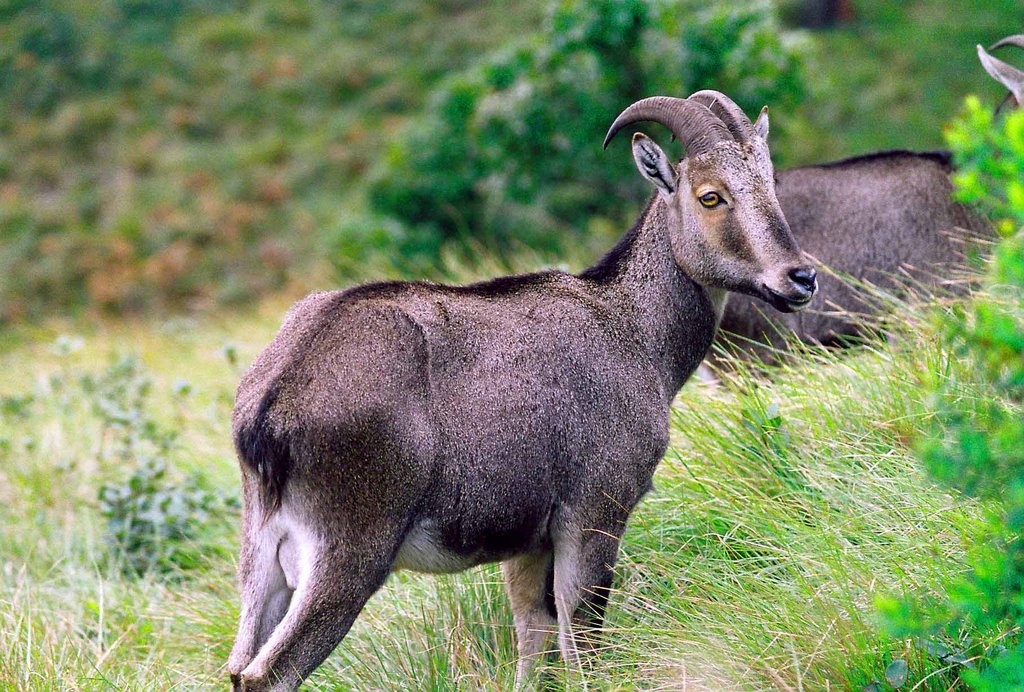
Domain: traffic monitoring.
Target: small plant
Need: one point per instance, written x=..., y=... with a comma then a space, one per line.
x=17, y=406
x=152, y=520
x=118, y=398
x=766, y=427
x=153, y=517
x=977, y=446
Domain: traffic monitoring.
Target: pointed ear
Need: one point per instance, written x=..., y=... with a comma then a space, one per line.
x=653, y=164
x=761, y=124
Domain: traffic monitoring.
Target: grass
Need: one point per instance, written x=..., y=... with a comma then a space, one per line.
x=784, y=505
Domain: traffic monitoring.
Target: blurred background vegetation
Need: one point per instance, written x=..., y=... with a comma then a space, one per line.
x=165, y=155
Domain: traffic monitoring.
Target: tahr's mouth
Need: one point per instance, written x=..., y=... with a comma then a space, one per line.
x=790, y=303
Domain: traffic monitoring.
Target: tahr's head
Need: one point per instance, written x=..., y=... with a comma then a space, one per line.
x=726, y=228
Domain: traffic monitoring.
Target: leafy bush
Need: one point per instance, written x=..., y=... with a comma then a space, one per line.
x=80, y=426
x=976, y=445
x=87, y=440
x=153, y=517
x=511, y=149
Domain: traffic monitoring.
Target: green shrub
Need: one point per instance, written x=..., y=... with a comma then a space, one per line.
x=153, y=516
x=153, y=519
x=76, y=428
x=977, y=446
x=510, y=150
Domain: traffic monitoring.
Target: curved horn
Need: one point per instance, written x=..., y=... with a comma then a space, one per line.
x=727, y=110
x=1004, y=73
x=691, y=122
x=1015, y=40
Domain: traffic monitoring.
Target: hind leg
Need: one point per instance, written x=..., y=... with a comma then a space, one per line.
x=334, y=579
x=528, y=580
x=264, y=591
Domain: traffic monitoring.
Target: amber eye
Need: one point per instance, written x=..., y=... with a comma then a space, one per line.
x=710, y=199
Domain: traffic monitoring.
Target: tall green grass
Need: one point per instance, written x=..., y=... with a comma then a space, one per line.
x=788, y=500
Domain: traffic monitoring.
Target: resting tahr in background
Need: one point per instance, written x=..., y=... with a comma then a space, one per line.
x=883, y=218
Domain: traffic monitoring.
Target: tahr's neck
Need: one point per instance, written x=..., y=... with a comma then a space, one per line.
x=675, y=317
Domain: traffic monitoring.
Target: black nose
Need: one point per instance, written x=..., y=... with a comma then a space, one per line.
x=804, y=278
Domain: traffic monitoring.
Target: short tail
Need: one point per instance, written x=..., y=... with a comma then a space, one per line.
x=265, y=452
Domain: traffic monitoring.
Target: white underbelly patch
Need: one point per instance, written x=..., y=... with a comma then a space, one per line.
x=422, y=551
